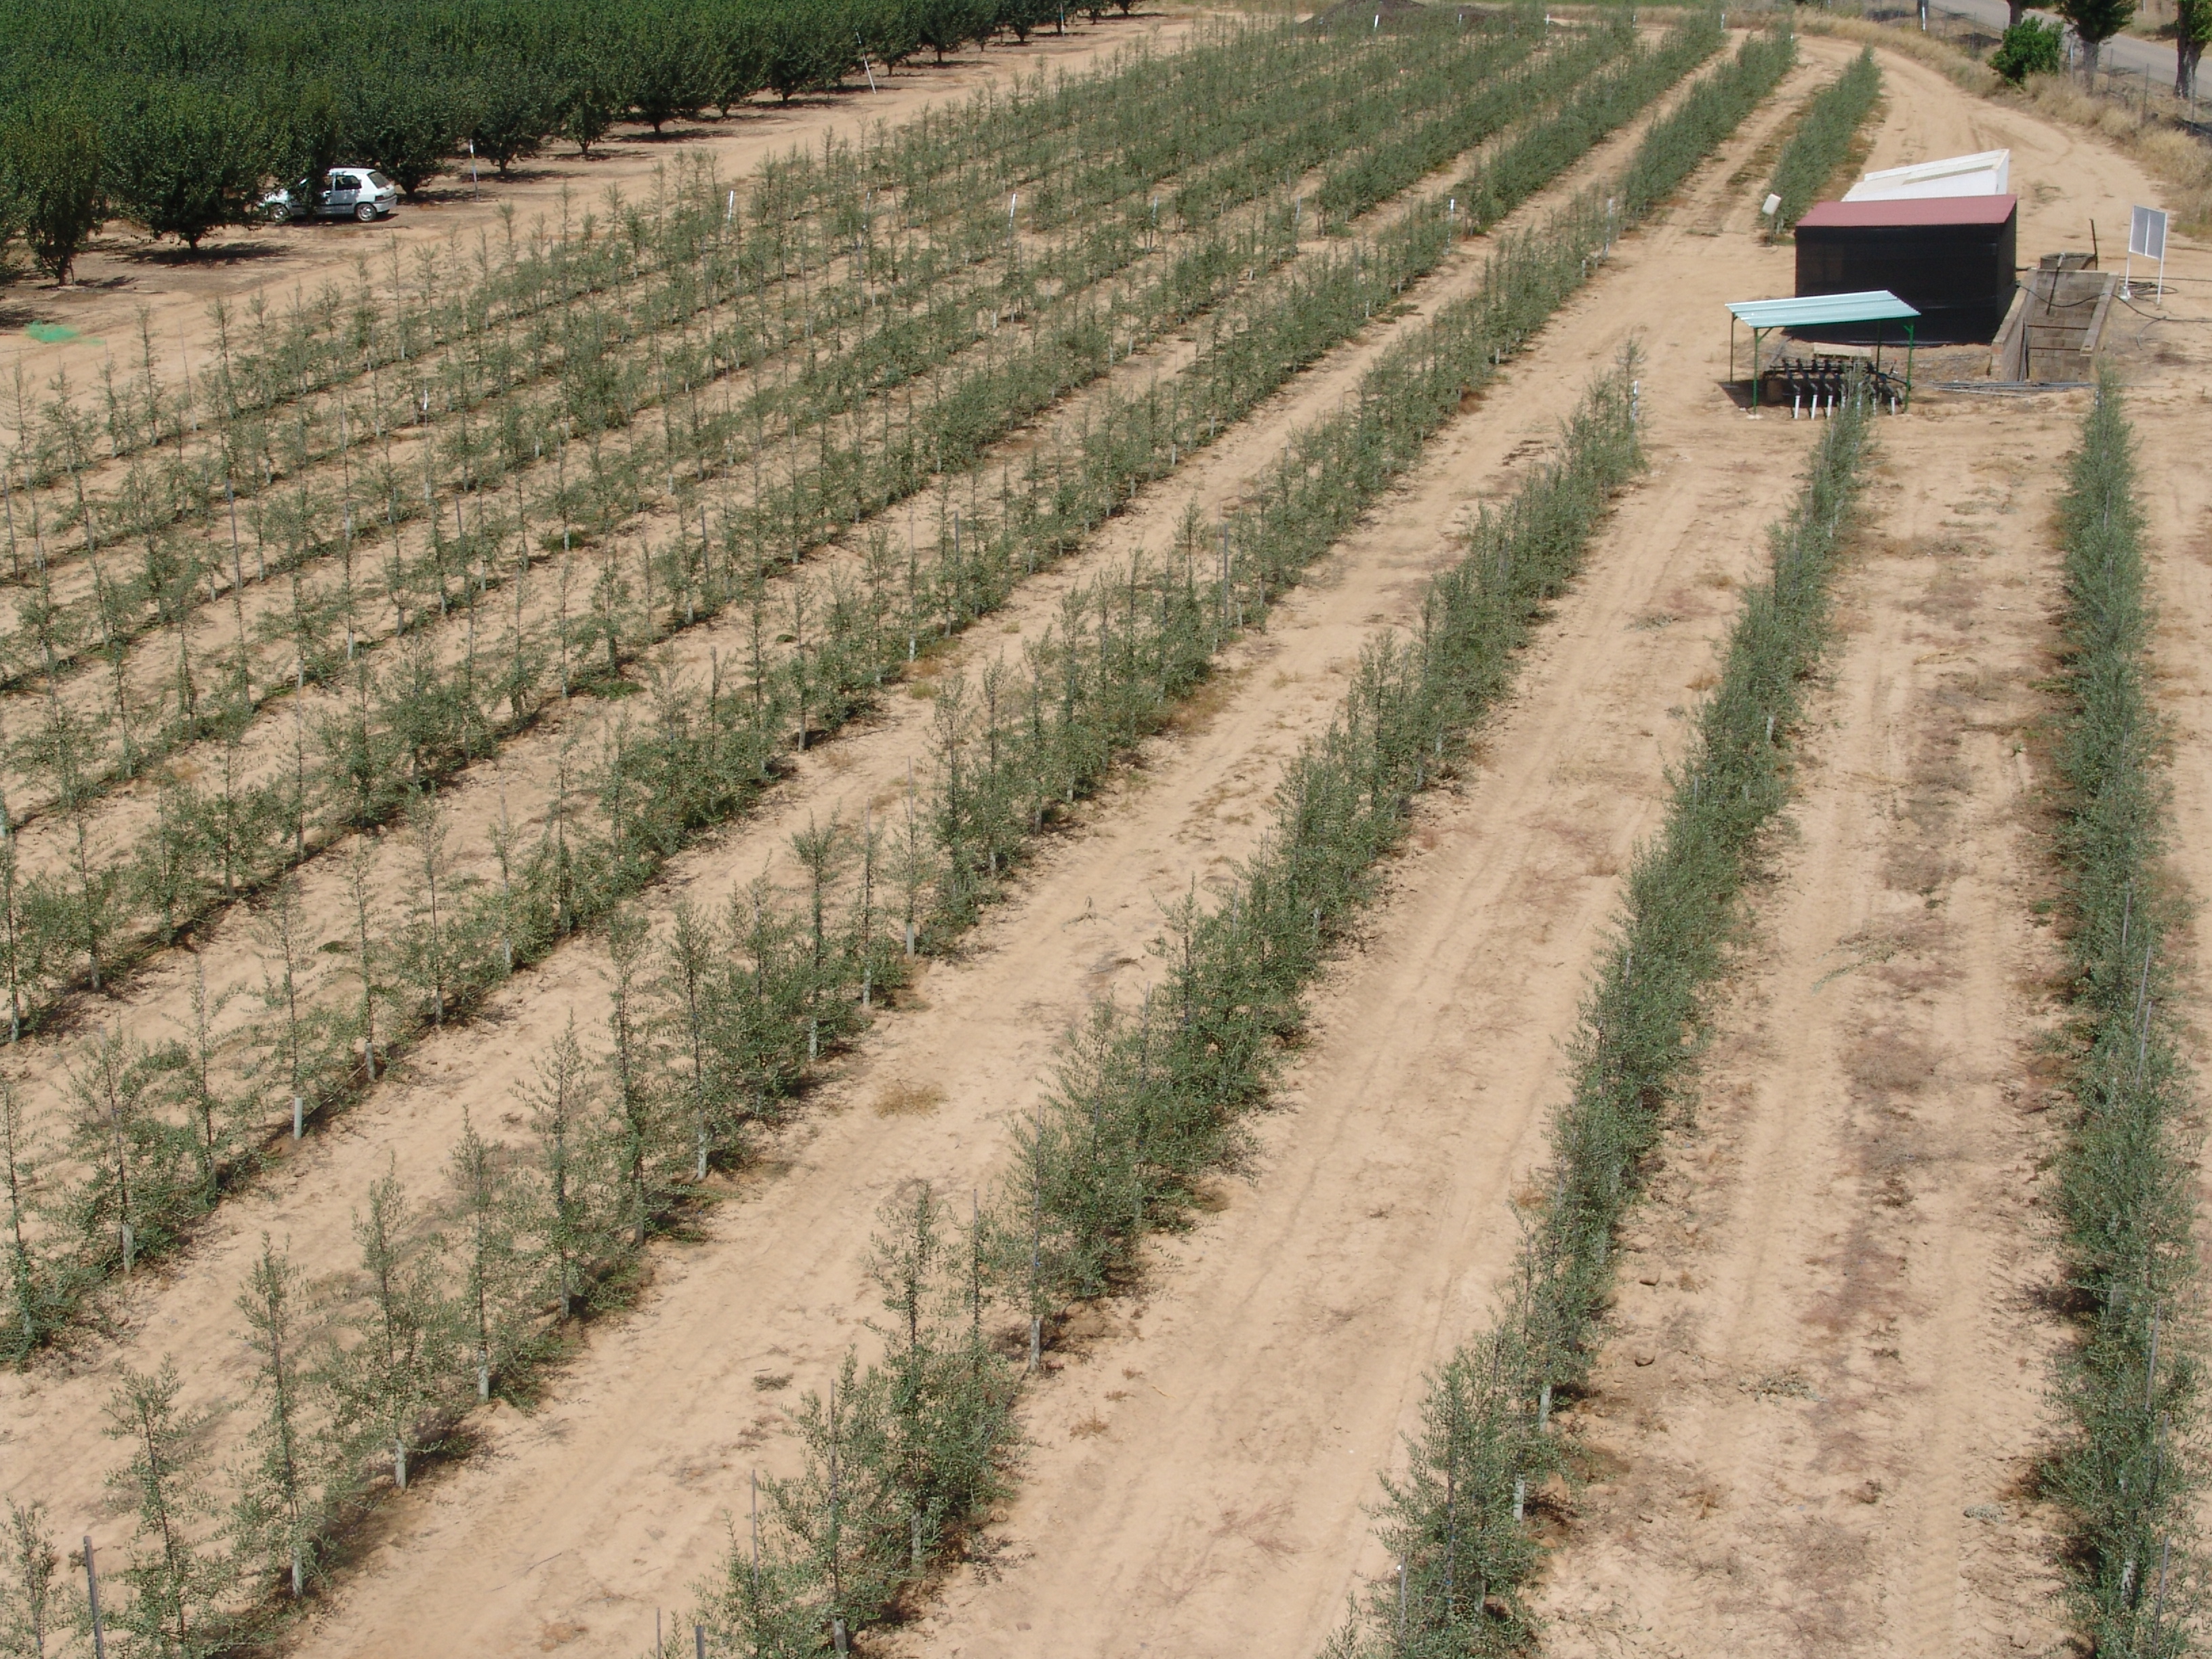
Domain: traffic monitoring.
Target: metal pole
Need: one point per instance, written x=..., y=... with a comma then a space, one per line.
x=92, y=1595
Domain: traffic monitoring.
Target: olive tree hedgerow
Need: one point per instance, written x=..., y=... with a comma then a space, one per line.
x=2133, y=1474
x=1453, y=1519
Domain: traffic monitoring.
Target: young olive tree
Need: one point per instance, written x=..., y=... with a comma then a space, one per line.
x=177, y=1574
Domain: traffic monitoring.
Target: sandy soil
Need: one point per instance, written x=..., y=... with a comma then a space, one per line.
x=1818, y=1427
x=1844, y=1258
x=1816, y=1418
x=514, y=786
x=1815, y=1428
x=1030, y=987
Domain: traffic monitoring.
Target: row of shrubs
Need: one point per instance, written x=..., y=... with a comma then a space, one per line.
x=903, y=1456
x=2133, y=1474
x=1824, y=138
x=1457, y=1518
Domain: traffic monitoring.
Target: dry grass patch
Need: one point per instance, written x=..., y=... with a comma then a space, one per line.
x=902, y=1097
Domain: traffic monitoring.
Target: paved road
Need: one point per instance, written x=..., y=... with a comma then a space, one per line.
x=2126, y=55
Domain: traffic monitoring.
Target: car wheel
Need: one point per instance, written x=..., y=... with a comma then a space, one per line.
x=366, y=213
x=275, y=214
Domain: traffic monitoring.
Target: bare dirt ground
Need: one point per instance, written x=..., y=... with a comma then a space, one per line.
x=1845, y=1256
x=1815, y=1431
x=512, y=786
x=792, y=1257
x=1818, y=1429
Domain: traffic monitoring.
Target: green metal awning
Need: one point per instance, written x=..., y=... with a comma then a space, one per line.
x=1812, y=310
x=1763, y=317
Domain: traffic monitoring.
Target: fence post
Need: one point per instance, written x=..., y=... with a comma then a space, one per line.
x=92, y=1596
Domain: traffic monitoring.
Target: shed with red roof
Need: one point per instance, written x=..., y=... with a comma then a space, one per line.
x=1951, y=257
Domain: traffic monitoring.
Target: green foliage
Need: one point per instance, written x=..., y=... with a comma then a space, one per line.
x=2133, y=1386
x=2193, y=32
x=406, y=125
x=287, y=1487
x=1530, y=159
x=902, y=1458
x=50, y=160
x=182, y=160
x=511, y=116
x=1679, y=140
x=1822, y=141
x=33, y=1305
x=715, y=1026
x=1630, y=1060
x=2030, y=46
x=488, y=1239
x=177, y=1577
x=35, y=1608
x=669, y=67
x=387, y=1376
x=2096, y=21
x=806, y=47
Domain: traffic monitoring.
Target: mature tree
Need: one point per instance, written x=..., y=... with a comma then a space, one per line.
x=808, y=46
x=510, y=113
x=738, y=64
x=52, y=168
x=1021, y=16
x=405, y=122
x=945, y=26
x=672, y=69
x=589, y=102
x=183, y=160
x=2096, y=21
x=2192, y=28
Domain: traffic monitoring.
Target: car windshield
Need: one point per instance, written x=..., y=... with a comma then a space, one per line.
x=379, y=181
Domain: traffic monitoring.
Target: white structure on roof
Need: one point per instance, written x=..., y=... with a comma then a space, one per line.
x=1988, y=173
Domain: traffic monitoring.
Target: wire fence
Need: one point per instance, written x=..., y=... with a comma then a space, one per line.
x=2139, y=89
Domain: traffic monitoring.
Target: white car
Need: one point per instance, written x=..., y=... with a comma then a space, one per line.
x=347, y=192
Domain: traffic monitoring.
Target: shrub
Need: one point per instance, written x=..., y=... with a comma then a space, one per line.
x=2031, y=46
x=2133, y=1385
